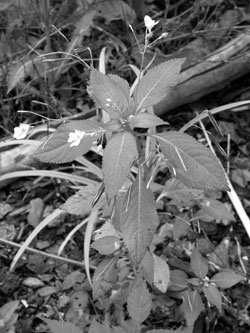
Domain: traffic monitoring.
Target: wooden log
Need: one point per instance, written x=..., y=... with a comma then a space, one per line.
x=215, y=72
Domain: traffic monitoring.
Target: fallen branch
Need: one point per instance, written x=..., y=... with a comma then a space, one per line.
x=215, y=72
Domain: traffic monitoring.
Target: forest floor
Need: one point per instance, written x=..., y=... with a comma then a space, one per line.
x=40, y=86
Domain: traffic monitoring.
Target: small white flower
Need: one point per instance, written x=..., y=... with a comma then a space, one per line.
x=21, y=131
x=149, y=23
x=75, y=137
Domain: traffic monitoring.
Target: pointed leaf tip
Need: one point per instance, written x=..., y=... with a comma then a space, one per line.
x=109, y=93
x=193, y=163
x=157, y=83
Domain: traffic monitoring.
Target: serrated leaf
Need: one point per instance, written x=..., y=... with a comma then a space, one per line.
x=161, y=274
x=194, y=164
x=57, y=326
x=199, y=264
x=80, y=203
x=145, y=120
x=123, y=84
x=191, y=306
x=107, y=94
x=139, y=220
x=118, y=156
x=178, y=280
x=139, y=302
x=57, y=149
x=226, y=279
x=213, y=296
x=157, y=83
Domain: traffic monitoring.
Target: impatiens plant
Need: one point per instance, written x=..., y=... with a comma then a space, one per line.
x=134, y=146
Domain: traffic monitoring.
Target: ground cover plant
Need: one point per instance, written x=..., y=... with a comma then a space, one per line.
x=153, y=233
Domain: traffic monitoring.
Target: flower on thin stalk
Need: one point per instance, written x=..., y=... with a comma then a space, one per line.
x=21, y=131
x=149, y=23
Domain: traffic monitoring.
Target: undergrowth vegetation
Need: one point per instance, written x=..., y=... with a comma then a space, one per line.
x=132, y=200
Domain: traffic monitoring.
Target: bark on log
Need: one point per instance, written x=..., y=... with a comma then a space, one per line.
x=220, y=68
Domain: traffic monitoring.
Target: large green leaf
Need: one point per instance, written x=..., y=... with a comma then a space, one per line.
x=139, y=301
x=193, y=163
x=157, y=83
x=80, y=203
x=118, y=156
x=108, y=94
x=139, y=220
x=57, y=149
x=227, y=279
